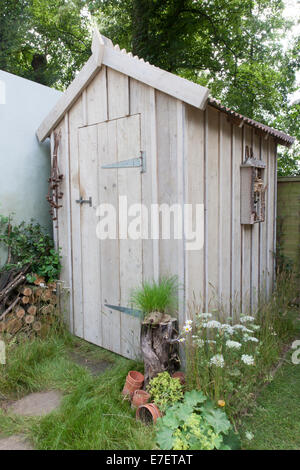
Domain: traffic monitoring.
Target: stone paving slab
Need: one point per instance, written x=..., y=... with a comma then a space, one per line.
x=37, y=404
x=16, y=442
x=96, y=367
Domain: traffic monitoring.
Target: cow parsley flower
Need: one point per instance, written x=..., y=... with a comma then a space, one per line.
x=217, y=360
x=227, y=328
x=212, y=324
x=249, y=435
x=233, y=344
x=246, y=318
x=253, y=339
x=242, y=328
x=247, y=359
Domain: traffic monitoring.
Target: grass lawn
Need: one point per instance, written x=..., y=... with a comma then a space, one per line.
x=93, y=414
x=275, y=422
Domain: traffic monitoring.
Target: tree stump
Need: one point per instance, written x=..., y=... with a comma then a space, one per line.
x=159, y=348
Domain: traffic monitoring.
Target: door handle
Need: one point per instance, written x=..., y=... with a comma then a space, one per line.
x=84, y=201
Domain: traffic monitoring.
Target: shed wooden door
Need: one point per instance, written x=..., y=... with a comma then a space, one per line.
x=109, y=268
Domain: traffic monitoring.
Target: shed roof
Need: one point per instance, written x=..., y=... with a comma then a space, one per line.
x=281, y=137
x=105, y=53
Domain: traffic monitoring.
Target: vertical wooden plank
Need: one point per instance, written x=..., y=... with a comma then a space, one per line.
x=142, y=100
x=271, y=210
x=154, y=179
x=247, y=246
x=255, y=237
x=166, y=120
x=264, y=226
x=237, y=155
x=64, y=223
x=212, y=167
x=205, y=167
x=181, y=200
x=84, y=107
x=110, y=259
x=195, y=195
x=54, y=224
x=275, y=213
x=118, y=94
x=90, y=245
x=76, y=120
x=225, y=221
x=129, y=186
x=96, y=98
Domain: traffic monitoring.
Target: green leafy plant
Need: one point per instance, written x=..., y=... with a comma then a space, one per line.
x=157, y=296
x=195, y=424
x=29, y=245
x=165, y=390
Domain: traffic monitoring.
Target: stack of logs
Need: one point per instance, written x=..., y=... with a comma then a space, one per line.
x=27, y=309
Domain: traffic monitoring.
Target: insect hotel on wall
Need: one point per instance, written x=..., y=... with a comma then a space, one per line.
x=132, y=132
x=252, y=190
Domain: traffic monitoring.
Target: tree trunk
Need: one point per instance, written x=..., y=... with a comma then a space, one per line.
x=159, y=348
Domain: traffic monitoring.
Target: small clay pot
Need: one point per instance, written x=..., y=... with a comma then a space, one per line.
x=139, y=397
x=134, y=381
x=148, y=413
x=180, y=376
x=135, y=378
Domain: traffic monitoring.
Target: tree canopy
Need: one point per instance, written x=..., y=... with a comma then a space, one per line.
x=234, y=47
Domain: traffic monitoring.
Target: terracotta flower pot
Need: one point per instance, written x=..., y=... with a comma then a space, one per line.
x=139, y=397
x=180, y=376
x=134, y=381
x=135, y=377
x=148, y=413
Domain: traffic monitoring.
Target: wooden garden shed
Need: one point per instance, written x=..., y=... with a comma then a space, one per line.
x=125, y=127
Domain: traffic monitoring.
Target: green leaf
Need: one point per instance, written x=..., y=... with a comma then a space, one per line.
x=217, y=419
x=232, y=440
x=170, y=420
x=184, y=411
x=194, y=398
x=165, y=438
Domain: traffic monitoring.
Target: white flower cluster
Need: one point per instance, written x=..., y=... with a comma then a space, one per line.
x=247, y=359
x=246, y=337
x=212, y=324
x=217, y=360
x=242, y=328
x=227, y=328
x=233, y=344
x=246, y=318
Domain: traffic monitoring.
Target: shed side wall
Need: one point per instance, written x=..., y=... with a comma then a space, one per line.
x=236, y=265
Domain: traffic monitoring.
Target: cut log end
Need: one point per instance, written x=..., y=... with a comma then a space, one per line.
x=29, y=319
x=32, y=310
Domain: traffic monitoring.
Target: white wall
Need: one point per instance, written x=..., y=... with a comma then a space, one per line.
x=24, y=163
